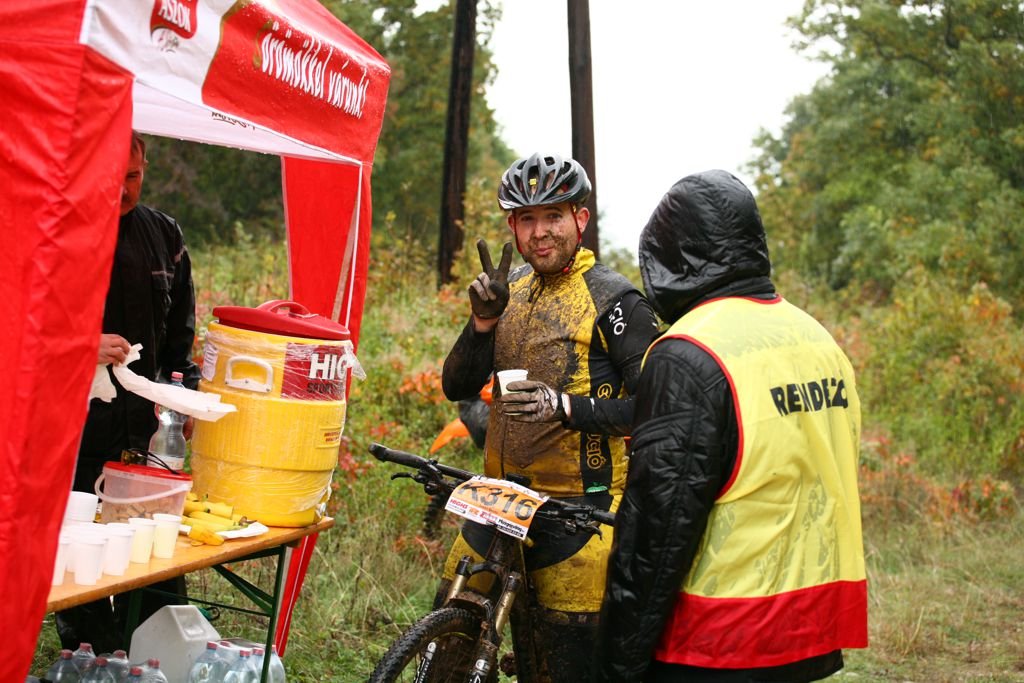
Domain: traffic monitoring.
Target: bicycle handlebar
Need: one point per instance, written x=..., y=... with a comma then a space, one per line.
x=418, y=462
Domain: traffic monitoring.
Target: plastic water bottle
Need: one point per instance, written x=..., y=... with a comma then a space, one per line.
x=276, y=672
x=257, y=661
x=117, y=664
x=83, y=657
x=168, y=441
x=64, y=669
x=208, y=667
x=152, y=673
x=242, y=671
x=134, y=675
x=99, y=673
x=227, y=653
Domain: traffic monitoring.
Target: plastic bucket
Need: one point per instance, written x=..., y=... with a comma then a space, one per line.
x=128, y=491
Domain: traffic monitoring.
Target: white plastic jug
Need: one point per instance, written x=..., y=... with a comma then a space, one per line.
x=176, y=635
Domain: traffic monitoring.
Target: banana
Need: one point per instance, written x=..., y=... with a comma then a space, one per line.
x=219, y=509
x=202, y=514
x=204, y=535
x=213, y=525
x=194, y=506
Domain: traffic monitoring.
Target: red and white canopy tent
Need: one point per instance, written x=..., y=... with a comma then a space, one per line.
x=282, y=77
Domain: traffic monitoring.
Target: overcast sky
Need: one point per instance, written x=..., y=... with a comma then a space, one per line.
x=680, y=86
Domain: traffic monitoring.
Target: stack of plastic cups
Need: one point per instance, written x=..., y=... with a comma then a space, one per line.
x=88, y=549
x=60, y=560
x=81, y=507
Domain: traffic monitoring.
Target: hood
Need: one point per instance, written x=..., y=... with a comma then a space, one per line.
x=704, y=235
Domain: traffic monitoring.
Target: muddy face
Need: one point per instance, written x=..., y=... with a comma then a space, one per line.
x=547, y=235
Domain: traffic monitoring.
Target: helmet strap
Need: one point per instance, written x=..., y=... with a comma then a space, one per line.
x=579, y=243
x=515, y=231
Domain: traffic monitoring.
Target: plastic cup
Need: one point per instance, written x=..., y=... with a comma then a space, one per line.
x=506, y=377
x=74, y=531
x=60, y=562
x=142, y=543
x=165, y=535
x=119, y=550
x=89, y=551
x=81, y=507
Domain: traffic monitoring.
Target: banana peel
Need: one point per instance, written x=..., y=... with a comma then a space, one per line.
x=204, y=535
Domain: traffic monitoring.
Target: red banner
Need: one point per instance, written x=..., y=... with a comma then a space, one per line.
x=270, y=70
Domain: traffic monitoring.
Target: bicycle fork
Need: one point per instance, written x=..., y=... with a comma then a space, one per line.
x=486, y=656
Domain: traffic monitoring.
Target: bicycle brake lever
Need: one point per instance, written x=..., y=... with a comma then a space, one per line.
x=401, y=475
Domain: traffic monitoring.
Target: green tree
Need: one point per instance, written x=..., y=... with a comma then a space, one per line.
x=911, y=152
x=408, y=165
x=898, y=182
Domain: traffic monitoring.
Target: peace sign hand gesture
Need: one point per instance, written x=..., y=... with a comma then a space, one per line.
x=488, y=294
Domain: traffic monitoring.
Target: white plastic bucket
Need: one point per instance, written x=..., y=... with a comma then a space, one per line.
x=139, y=491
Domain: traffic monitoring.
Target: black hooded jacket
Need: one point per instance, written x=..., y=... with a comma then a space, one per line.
x=150, y=301
x=704, y=240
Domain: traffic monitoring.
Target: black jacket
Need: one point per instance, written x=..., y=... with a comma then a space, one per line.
x=151, y=302
x=703, y=241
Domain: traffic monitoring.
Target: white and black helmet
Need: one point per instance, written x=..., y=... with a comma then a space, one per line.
x=541, y=180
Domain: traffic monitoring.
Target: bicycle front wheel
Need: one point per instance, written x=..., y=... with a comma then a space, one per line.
x=436, y=649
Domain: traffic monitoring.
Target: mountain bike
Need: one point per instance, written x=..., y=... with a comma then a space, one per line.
x=458, y=642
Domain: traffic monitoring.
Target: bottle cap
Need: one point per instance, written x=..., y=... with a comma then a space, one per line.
x=177, y=376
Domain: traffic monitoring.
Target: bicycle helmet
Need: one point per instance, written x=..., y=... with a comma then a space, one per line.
x=541, y=180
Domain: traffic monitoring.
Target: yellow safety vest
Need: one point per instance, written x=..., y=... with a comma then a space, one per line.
x=779, y=575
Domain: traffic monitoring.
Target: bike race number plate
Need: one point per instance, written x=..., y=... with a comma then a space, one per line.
x=508, y=506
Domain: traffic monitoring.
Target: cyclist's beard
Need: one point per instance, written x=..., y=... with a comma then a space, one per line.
x=559, y=249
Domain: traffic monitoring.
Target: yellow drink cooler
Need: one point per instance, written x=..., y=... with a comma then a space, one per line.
x=285, y=370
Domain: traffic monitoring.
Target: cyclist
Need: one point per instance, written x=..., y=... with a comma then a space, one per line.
x=738, y=551
x=580, y=329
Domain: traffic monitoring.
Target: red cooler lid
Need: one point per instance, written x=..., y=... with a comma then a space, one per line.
x=147, y=471
x=282, y=317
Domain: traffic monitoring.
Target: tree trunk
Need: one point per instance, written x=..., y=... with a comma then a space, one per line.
x=456, y=139
x=582, y=97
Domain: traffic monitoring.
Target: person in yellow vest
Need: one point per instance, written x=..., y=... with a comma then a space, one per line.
x=738, y=553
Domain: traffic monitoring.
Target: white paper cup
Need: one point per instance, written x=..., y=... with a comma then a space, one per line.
x=506, y=377
x=74, y=531
x=89, y=551
x=81, y=507
x=142, y=543
x=119, y=550
x=60, y=562
x=165, y=536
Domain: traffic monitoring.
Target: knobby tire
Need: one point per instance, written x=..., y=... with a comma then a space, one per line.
x=455, y=631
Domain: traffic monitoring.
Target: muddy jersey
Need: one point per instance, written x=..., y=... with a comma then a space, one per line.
x=574, y=333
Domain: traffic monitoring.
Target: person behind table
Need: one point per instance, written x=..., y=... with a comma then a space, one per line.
x=580, y=329
x=150, y=301
x=738, y=552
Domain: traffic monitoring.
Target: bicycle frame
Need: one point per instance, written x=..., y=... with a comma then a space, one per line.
x=504, y=561
x=501, y=603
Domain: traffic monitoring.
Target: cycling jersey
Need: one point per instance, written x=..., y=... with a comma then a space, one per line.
x=582, y=333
